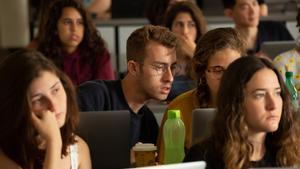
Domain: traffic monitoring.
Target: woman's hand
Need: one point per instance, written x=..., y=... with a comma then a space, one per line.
x=188, y=45
x=47, y=126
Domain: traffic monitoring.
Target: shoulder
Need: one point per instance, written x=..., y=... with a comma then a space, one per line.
x=271, y=24
x=205, y=151
x=84, y=159
x=286, y=55
x=97, y=85
x=183, y=99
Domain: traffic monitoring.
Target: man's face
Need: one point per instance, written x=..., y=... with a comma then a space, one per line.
x=155, y=74
x=245, y=13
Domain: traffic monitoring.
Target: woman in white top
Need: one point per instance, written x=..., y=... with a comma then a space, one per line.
x=39, y=115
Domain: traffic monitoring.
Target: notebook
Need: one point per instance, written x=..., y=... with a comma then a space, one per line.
x=202, y=118
x=107, y=134
x=186, y=165
x=274, y=48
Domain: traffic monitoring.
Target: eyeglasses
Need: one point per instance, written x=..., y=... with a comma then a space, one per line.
x=216, y=71
x=162, y=68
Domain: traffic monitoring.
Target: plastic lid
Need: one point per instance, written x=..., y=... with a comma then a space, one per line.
x=173, y=114
x=144, y=147
x=288, y=74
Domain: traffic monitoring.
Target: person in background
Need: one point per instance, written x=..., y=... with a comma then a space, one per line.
x=290, y=60
x=255, y=125
x=263, y=8
x=246, y=16
x=155, y=10
x=39, y=115
x=151, y=64
x=214, y=52
x=99, y=9
x=186, y=20
x=68, y=37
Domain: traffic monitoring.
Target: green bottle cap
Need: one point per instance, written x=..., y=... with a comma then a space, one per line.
x=288, y=74
x=173, y=114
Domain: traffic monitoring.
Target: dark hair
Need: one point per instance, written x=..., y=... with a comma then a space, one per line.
x=91, y=46
x=155, y=10
x=193, y=10
x=212, y=42
x=140, y=38
x=229, y=129
x=17, y=133
x=228, y=3
x=298, y=19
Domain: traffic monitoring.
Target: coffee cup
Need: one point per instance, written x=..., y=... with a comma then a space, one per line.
x=145, y=154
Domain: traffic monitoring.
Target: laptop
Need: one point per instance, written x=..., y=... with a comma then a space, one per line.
x=107, y=134
x=201, y=121
x=186, y=165
x=274, y=48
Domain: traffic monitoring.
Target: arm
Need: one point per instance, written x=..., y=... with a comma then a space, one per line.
x=83, y=154
x=46, y=125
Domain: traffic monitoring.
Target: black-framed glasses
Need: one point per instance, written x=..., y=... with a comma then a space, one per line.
x=216, y=71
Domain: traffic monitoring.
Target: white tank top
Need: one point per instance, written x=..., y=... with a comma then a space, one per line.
x=74, y=156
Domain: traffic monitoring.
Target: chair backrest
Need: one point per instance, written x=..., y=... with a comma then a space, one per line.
x=107, y=134
x=202, y=118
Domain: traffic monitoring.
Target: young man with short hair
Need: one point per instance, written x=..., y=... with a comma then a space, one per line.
x=151, y=62
x=246, y=16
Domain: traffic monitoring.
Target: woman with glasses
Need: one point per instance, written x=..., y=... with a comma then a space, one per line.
x=255, y=124
x=214, y=52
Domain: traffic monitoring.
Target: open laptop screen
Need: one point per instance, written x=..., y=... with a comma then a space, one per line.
x=107, y=134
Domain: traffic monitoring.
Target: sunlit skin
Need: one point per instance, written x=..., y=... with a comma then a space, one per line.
x=70, y=29
x=221, y=58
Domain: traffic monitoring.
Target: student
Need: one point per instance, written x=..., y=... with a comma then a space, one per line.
x=255, y=125
x=245, y=14
x=69, y=38
x=214, y=52
x=39, y=115
x=290, y=60
x=156, y=10
x=263, y=8
x=151, y=63
x=186, y=20
x=99, y=9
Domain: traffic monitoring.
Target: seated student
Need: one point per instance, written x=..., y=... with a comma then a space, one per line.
x=290, y=60
x=255, y=125
x=151, y=63
x=263, y=8
x=99, y=9
x=186, y=20
x=39, y=115
x=68, y=37
x=214, y=52
x=155, y=10
x=245, y=14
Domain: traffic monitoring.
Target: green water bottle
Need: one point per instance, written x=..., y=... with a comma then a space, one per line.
x=174, y=136
x=292, y=89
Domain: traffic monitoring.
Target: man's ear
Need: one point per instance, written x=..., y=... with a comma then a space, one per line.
x=132, y=67
x=228, y=12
